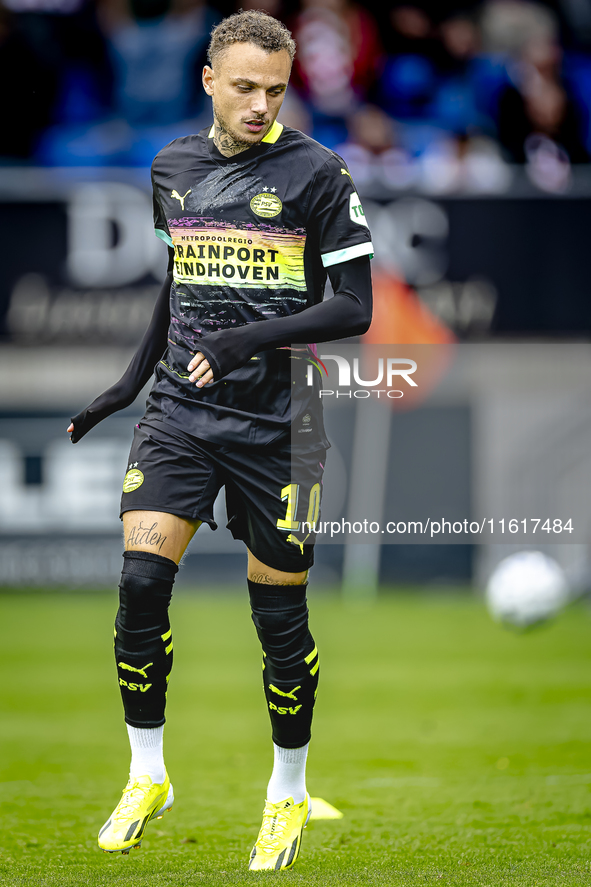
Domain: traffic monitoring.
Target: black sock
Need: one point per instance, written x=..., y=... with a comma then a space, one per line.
x=143, y=637
x=290, y=659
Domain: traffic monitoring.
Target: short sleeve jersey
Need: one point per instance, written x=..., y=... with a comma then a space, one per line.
x=253, y=235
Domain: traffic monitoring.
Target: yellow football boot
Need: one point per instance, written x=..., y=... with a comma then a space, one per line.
x=142, y=800
x=278, y=844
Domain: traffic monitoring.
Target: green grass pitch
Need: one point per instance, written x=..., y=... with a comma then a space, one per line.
x=458, y=752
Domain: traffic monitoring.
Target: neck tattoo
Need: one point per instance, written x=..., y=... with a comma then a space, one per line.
x=226, y=143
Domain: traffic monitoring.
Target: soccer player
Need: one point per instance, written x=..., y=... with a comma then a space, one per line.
x=255, y=215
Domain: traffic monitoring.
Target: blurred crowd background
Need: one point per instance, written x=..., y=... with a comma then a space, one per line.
x=467, y=129
x=404, y=91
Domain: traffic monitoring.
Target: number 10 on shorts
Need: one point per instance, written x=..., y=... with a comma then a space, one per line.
x=291, y=495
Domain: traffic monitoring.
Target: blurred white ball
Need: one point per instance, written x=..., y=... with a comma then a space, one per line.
x=526, y=588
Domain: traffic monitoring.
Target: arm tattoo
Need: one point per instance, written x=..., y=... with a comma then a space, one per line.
x=225, y=143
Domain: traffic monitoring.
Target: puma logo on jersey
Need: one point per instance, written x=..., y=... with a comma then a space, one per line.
x=141, y=671
x=291, y=538
x=177, y=196
x=284, y=711
x=141, y=687
x=290, y=695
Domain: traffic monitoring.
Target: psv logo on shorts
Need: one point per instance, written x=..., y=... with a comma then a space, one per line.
x=132, y=480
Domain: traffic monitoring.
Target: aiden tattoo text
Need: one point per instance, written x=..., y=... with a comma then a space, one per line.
x=146, y=536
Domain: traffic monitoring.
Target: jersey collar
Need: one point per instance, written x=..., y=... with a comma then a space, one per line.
x=269, y=139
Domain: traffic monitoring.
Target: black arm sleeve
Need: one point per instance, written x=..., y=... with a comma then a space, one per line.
x=347, y=314
x=124, y=392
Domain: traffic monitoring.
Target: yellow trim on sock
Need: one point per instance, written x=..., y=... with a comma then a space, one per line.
x=308, y=659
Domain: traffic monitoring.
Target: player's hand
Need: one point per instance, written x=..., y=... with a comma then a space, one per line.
x=201, y=372
x=70, y=427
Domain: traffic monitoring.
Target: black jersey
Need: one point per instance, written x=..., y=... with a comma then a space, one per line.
x=253, y=235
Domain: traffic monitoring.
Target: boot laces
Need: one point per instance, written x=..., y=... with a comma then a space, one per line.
x=275, y=824
x=132, y=798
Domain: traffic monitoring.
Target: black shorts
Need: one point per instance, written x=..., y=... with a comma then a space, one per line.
x=270, y=492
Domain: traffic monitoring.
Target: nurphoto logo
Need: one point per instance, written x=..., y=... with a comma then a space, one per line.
x=389, y=372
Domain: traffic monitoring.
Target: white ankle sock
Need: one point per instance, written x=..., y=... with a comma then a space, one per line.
x=288, y=779
x=147, y=755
